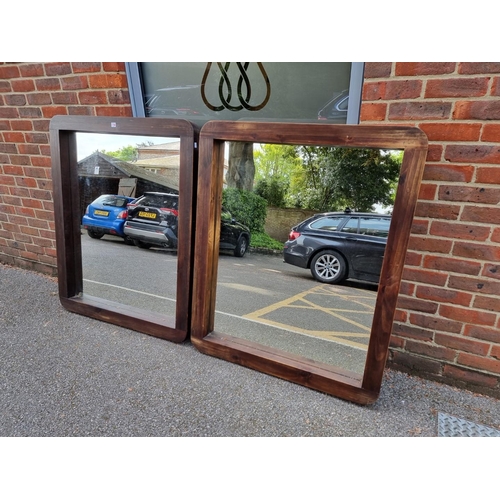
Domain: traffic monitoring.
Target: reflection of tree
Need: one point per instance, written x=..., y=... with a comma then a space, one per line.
x=241, y=167
x=127, y=153
x=275, y=165
x=327, y=178
x=339, y=177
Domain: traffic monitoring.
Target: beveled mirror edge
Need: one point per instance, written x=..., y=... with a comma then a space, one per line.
x=63, y=131
x=212, y=136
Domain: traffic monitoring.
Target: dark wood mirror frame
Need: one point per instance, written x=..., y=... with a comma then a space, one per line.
x=362, y=389
x=63, y=130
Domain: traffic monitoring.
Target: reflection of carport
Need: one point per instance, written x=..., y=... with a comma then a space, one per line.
x=101, y=174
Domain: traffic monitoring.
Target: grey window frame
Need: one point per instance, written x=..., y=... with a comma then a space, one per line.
x=136, y=90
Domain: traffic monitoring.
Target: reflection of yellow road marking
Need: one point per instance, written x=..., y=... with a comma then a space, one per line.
x=338, y=336
x=247, y=288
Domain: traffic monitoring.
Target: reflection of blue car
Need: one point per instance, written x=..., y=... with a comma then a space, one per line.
x=106, y=215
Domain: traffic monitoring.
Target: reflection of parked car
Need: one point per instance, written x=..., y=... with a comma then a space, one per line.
x=176, y=102
x=339, y=245
x=106, y=215
x=336, y=108
x=153, y=221
x=234, y=236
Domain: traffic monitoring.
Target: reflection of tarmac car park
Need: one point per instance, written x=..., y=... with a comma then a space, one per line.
x=339, y=245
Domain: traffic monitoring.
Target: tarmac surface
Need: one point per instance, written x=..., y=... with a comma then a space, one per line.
x=62, y=374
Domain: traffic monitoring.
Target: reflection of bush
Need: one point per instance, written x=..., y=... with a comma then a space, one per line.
x=272, y=190
x=246, y=207
x=263, y=240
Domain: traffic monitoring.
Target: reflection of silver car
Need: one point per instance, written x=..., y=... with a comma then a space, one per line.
x=176, y=101
x=336, y=108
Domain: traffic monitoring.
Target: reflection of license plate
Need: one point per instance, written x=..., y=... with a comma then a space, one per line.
x=148, y=215
x=101, y=212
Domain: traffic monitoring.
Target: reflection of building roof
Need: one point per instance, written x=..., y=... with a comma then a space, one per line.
x=159, y=150
x=173, y=145
x=167, y=166
x=114, y=167
x=160, y=162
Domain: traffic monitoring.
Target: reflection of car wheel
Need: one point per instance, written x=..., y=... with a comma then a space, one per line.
x=128, y=240
x=141, y=244
x=241, y=247
x=328, y=267
x=97, y=235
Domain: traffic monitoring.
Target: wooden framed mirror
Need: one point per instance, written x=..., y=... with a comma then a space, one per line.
x=362, y=386
x=101, y=272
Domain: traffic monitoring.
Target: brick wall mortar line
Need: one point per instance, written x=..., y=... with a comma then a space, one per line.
x=454, y=363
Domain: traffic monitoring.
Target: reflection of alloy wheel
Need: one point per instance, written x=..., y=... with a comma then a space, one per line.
x=128, y=240
x=141, y=244
x=96, y=235
x=241, y=247
x=328, y=267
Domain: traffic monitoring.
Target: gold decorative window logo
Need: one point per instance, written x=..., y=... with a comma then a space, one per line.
x=229, y=99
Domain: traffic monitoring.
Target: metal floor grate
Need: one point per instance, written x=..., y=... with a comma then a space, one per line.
x=449, y=426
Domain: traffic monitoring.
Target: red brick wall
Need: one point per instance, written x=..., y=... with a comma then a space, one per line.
x=30, y=95
x=448, y=320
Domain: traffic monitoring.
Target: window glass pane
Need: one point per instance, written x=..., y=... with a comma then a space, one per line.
x=375, y=227
x=343, y=104
x=351, y=226
x=200, y=91
x=327, y=223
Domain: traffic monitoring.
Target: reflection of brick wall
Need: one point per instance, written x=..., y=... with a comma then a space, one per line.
x=279, y=221
x=448, y=321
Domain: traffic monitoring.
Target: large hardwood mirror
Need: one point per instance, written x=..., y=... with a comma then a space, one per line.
x=318, y=218
x=323, y=321
x=123, y=194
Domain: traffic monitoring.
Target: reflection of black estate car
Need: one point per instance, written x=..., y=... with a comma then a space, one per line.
x=153, y=221
x=339, y=245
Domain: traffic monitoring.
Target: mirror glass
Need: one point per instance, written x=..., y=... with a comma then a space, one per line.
x=311, y=288
x=123, y=203
x=129, y=195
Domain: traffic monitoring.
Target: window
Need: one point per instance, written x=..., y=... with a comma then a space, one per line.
x=327, y=223
x=374, y=226
x=113, y=201
x=351, y=226
x=280, y=91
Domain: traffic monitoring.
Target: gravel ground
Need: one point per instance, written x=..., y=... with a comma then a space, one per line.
x=68, y=375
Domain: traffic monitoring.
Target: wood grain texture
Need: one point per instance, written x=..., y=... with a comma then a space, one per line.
x=63, y=131
x=331, y=380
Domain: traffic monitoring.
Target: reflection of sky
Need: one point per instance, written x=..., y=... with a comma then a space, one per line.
x=89, y=143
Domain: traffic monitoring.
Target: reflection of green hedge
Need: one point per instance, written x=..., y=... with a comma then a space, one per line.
x=246, y=207
x=262, y=240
